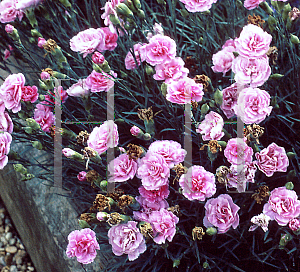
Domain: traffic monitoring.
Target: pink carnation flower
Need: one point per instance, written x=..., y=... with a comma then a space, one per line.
x=25, y=4
x=30, y=94
x=68, y=152
x=110, y=39
x=45, y=76
x=87, y=41
x=184, y=91
x=110, y=9
x=81, y=176
x=50, y=99
x=253, y=105
x=170, y=150
x=160, y=49
x=127, y=239
x=197, y=183
x=163, y=223
x=9, y=12
x=155, y=195
x=153, y=171
x=230, y=97
x=9, y=28
x=198, y=5
x=148, y=207
x=294, y=224
x=100, y=82
x=11, y=91
x=44, y=116
x=221, y=213
x=135, y=131
x=5, y=141
x=211, y=127
x=229, y=45
x=122, y=168
x=41, y=42
x=98, y=58
x=252, y=4
x=283, y=205
x=172, y=70
x=253, y=42
x=104, y=137
x=253, y=71
x=272, y=159
x=79, y=89
x=222, y=61
x=130, y=63
x=6, y=124
x=238, y=152
x=82, y=245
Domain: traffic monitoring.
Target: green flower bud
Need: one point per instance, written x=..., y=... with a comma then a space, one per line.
x=125, y=218
x=59, y=75
x=290, y=176
x=28, y=130
x=35, y=33
x=285, y=238
x=103, y=185
x=164, y=88
x=83, y=224
x=211, y=231
x=294, y=39
x=37, y=144
x=184, y=13
x=137, y=3
x=285, y=14
x=28, y=177
x=41, y=97
x=31, y=17
x=66, y=3
x=289, y=185
x=204, y=108
x=176, y=263
x=22, y=115
x=272, y=22
x=205, y=265
x=130, y=5
x=222, y=143
x=149, y=70
x=218, y=97
x=291, y=155
x=20, y=168
x=33, y=124
x=276, y=76
x=135, y=205
x=146, y=137
x=141, y=14
x=105, y=67
x=122, y=9
x=114, y=19
x=150, y=126
x=31, y=40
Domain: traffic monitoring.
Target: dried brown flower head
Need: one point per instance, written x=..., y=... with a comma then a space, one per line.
x=145, y=114
x=146, y=230
x=115, y=195
x=194, y=104
x=125, y=201
x=92, y=176
x=89, y=153
x=87, y=217
x=50, y=45
x=175, y=209
x=213, y=146
x=52, y=131
x=179, y=170
x=204, y=80
x=273, y=54
x=191, y=64
x=294, y=14
x=114, y=219
x=134, y=151
x=222, y=173
x=262, y=193
x=49, y=71
x=198, y=233
x=255, y=20
x=253, y=131
x=82, y=137
x=100, y=203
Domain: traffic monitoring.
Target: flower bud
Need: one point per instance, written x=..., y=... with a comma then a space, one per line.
x=22, y=115
x=59, y=75
x=222, y=143
x=141, y=14
x=184, y=13
x=45, y=76
x=122, y=9
x=137, y=3
x=20, y=168
x=28, y=130
x=114, y=19
x=205, y=265
x=35, y=33
x=291, y=155
x=149, y=70
x=176, y=263
x=289, y=185
x=103, y=185
x=286, y=10
x=290, y=176
x=271, y=22
x=37, y=144
x=294, y=39
x=41, y=97
x=276, y=76
x=204, y=108
x=218, y=97
x=9, y=28
x=265, y=6
x=41, y=42
x=98, y=58
x=31, y=17
x=135, y=131
x=83, y=224
x=105, y=67
x=211, y=231
x=146, y=137
x=33, y=124
x=66, y=3
x=285, y=238
x=102, y=216
x=164, y=88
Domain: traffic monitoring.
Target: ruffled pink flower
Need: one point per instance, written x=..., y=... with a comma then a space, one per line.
x=68, y=152
x=82, y=245
x=283, y=205
x=272, y=159
x=78, y=89
x=9, y=12
x=9, y=28
x=222, y=61
x=230, y=97
x=104, y=137
x=253, y=105
x=229, y=45
x=130, y=63
x=153, y=171
x=100, y=82
x=163, y=223
x=184, y=91
x=253, y=42
x=87, y=41
x=110, y=39
x=122, y=168
x=148, y=207
x=44, y=116
x=240, y=175
x=294, y=224
x=160, y=49
x=252, y=4
x=127, y=239
x=198, y=5
x=30, y=94
x=170, y=150
x=45, y=76
x=211, y=127
x=11, y=91
x=50, y=99
x=253, y=71
x=157, y=29
x=172, y=70
x=81, y=176
x=98, y=58
x=41, y=42
x=155, y=195
x=110, y=9
x=5, y=141
x=237, y=151
x=24, y=4
x=221, y=213
x=135, y=131
x=197, y=183
x=6, y=123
